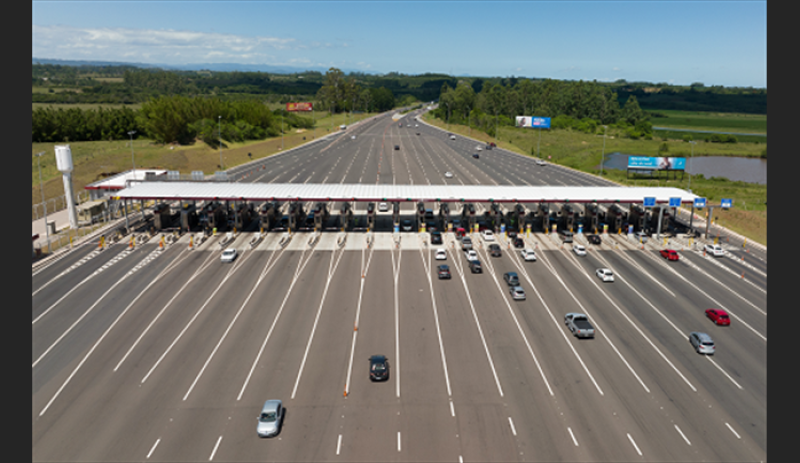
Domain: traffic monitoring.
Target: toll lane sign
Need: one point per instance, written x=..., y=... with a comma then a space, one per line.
x=674, y=202
x=699, y=203
x=649, y=201
x=726, y=203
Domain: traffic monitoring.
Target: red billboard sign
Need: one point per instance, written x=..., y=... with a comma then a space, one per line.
x=299, y=106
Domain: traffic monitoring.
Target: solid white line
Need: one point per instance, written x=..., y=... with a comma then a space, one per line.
x=513, y=429
x=397, y=328
x=693, y=265
x=682, y=435
x=734, y=432
x=723, y=372
x=398, y=441
x=573, y=436
x=428, y=270
x=460, y=459
x=339, y=444
x=634, y=445
x=153, y=448
x=215, y=449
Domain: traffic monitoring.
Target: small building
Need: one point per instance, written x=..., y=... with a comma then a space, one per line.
x=108, y=186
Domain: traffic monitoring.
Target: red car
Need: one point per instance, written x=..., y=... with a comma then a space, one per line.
x=718, y=316
x=670, y=254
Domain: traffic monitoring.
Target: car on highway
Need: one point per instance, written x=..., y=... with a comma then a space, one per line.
x=270, y=419
x=579, y=325
x=228, y=255
x=718, y=316
x=396, y=147
x=605, y=274
x=669, y=254
x=641, y=236
x=383, y=207
x=353, y=137
x=342, y=127
x=478, y=148
x=487, y=235
x=714, y=249
x=476, y=155
x=378, y=368
x=511, y=278
x=407, y=225
x=518, y=242
x=452, y=137
x=517, y=293
x=475, y=266
x=444, y=272
x=441, y=254
x=417, y=133
x=702, y=343
x=594, y=239
x=539, y=162
x=492, y=144
x=578, y=249
x=528, y=255
x=416, y=125
x=494, y=250
x=470, y=254
x=487, y=147
x=466, y=243
x=436, y=236
x=448, y=174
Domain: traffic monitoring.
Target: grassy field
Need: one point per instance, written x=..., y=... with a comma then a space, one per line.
x=66, y=106
x=93, y=158
x=716, y=122
x=583, y=152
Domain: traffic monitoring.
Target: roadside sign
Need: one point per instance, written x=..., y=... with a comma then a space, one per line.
x=726, y=203
x=699, y=203
x=580, y=228
x=630, y=229
x=674, y=202
x=649, y=201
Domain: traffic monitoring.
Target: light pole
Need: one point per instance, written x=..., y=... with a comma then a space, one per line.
x=690, y=173
x=46, y=229
x=219, y=140
x=602, y=160
x=132, y=161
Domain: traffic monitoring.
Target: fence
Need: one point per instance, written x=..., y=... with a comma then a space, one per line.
x=56, y=204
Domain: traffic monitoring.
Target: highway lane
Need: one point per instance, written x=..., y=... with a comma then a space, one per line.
x=524, y=423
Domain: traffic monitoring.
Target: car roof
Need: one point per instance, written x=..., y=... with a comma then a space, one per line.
x=270, y=406
x=377, y=358
x=511, y=274
x=444, y=266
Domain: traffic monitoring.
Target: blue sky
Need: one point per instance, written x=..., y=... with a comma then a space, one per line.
x=680, y=42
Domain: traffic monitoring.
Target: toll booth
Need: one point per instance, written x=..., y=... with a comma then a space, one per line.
x=636, y=217
x=320, y=216
x=296, y=215
x=189, y=217
x=370, y=216
x=444, y=215
x=241, y=215
x=616, y=216
x=468, y=216
x=592, y=219
x=420, y=215
x=346, y=216
x=161, y=216
x=215, y=216
x=518, y=217
x=544, y=214
x=654, y=213
x=268, y=215
x=568, y=216
x=496, y=215
x=396, y=214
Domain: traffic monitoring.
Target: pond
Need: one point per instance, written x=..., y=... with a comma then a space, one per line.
x=750, y=170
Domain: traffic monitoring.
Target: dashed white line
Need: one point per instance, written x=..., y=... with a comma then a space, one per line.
x=734, y=432
x=573, y=436
x=513, y=429
x=682, y=435
x=153, y=448
x=339, y=444
x=398, y=441
x=452, y=409
x=215, y=449
x=634, y=445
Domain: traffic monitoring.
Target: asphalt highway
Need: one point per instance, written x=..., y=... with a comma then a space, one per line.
x=168, y=355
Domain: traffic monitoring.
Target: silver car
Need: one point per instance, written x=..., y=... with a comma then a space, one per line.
x=517, y=293
x=702, y=343
x=270, y=419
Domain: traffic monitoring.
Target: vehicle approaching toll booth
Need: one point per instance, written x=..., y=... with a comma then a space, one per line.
x=579, y=324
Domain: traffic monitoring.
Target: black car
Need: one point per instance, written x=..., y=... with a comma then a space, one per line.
x=487, y=147
x=407, y=225
x=444, y=272
x=378, y=368
x=494, y=250
x=511, y=233
x=518, y=243
x=396, y=147
x=436, y=237
x=475, y=266
x=594, y=239
x=476, y=155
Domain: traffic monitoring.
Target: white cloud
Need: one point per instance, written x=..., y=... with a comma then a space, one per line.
x=615, y=69
x=66, y=42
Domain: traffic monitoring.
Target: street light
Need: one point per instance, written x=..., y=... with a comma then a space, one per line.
x=46, y=229
x=605, y=129
x=690, y=173
x=132, y=161
x=219, y=139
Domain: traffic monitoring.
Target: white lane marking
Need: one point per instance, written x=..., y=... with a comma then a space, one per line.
x=682, y=435
x=153, y=448
x=728, y=287
x=339, y=444
x=511, y=423
x=428, y=270
x=734, y=432
x=575, y=441
x=331, y=272
x=398, y=441
x=215, y=449
x=460, y=459
x=723, y=372
x=452, y=409
x=396, y=323
x=364, y=271
x=634, y=445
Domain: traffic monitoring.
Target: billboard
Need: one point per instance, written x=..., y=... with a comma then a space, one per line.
x=656, y=163
x=299, y=106
x=533, y=122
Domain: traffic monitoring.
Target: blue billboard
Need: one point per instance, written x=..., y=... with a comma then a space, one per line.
x=533, y=122
x=656, y=163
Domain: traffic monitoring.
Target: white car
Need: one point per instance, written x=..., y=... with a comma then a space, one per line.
x=487, y=235
x=383, y=207
x=715, y=250
x=416, y=125
x=353, y=137
x=539, y=162
x=579, y=250
x=228, y=255
x=528, y=255
x=448, y=174
x=478, y=148
x=452, y=137
x=471, y=254
x=441, y=254
x=605, y=274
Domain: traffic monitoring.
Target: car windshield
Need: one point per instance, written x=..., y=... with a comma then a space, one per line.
x=378, y=367
x=268, y=417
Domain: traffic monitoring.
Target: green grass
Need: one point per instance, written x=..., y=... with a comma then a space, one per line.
x=66, y=106
x=717, y=122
